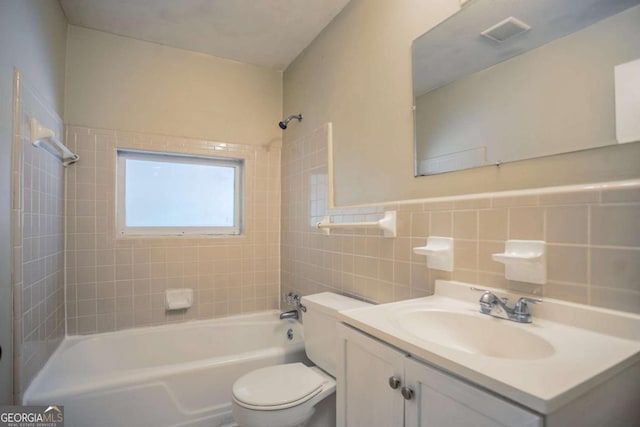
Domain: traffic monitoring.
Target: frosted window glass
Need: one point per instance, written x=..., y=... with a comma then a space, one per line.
x=174, y=194
x=162, y=194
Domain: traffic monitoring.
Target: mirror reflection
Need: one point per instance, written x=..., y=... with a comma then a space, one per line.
x=507, y=80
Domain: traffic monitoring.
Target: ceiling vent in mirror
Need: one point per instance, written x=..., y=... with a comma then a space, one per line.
x=506, y=29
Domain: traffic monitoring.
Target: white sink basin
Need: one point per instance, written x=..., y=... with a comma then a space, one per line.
x=474, y=333
x=542, y=365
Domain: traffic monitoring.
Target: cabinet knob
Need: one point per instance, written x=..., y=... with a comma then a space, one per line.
x=407, y=393
x=394, y=382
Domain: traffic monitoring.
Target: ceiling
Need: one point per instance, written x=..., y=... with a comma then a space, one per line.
x=269, y=33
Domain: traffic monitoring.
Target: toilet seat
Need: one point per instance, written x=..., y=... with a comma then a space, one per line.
x=277, y=387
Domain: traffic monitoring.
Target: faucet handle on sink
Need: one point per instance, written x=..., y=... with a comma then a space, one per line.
x=531, y=300
x=488, y=296
x=473, y=288
x=488, y=300
x=521, y=306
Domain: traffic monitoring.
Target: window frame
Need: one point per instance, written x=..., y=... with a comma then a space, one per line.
x=122, y=230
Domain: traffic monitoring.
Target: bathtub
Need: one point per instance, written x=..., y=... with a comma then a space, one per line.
x=174, y=375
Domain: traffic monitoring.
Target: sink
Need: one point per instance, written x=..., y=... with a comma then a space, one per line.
x=541, y=365
x=474, y=333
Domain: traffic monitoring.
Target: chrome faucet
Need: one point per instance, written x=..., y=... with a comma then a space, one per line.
x=295, y=301
x=497, y=307
x=292, y=314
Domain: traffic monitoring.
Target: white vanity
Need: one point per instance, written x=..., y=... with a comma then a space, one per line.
x=437, y=361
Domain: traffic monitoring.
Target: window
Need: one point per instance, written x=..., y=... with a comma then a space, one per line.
x=161, y=194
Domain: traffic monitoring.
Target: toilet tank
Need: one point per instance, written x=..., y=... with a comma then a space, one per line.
x=320, y=323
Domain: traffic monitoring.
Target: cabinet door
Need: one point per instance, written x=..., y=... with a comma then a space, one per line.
x=364, y=397
x=441, y=400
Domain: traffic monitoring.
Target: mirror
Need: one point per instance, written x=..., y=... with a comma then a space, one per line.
x=539, y=82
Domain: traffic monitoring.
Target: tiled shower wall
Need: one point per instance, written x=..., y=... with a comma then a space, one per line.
x=593, y=239
x=38, y=240
x=116, y=283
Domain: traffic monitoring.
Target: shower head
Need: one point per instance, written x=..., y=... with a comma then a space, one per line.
x=283, y=124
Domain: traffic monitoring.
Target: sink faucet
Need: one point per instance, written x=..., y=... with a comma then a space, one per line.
x=497, y=307
x=292, y=314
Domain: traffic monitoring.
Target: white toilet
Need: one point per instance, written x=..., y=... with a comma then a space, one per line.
x=288, y=395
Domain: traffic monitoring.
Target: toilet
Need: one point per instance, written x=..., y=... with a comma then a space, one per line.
x=293, y=394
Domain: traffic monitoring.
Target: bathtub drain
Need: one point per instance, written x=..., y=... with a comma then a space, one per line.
x=290, y=334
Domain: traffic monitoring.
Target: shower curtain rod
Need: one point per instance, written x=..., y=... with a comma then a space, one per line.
x=46, y=138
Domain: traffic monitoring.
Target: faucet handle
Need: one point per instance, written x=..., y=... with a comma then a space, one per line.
x=487, y=301
x=294, y=300
x=297, y=303
x=487, y=292
x=531, y=300
x=488, y=295
x=288, y=298
x=521, y=305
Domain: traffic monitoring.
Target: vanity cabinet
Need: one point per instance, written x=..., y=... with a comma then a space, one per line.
x=363, y=394
x=381, y=386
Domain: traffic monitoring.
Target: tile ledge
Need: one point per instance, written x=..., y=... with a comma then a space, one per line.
x=599, y=186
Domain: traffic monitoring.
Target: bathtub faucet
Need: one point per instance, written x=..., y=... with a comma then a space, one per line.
x=292, y=314
x=295, y=301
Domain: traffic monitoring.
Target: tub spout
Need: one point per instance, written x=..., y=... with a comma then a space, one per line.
x=293, y=314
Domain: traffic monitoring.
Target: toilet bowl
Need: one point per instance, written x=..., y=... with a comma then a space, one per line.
x=291, y=395
x=280, y=396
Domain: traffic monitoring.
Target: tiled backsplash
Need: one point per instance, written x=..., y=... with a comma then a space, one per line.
x=592, y=235
x=117, y=283
x=38, y=241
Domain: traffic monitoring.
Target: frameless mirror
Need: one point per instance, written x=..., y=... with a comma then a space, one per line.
x=507, y=80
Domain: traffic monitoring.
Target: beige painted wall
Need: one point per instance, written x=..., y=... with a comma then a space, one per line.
x=39, y=53
x=593, y=239
x=147, y=87
x=357, y=74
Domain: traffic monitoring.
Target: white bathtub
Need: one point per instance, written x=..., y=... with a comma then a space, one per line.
x=175, y=375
